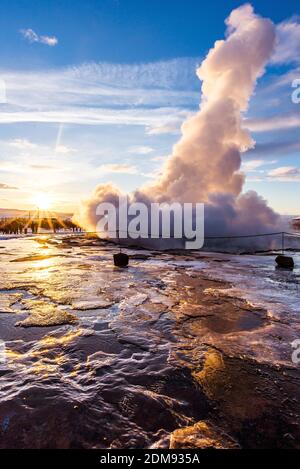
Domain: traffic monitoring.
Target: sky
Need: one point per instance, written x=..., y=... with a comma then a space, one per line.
x=96, y=91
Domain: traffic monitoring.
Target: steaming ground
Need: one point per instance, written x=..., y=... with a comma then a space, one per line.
x=205, y=163
x=176, y=351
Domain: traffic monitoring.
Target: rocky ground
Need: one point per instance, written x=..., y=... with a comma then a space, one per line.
x=165, y=353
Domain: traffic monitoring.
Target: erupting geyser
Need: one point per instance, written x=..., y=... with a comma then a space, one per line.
x=205, y=163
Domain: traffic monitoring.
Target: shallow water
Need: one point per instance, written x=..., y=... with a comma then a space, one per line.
x=257, y=279
x=94, y=356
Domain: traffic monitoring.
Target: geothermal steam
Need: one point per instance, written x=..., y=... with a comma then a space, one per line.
x=205, y=163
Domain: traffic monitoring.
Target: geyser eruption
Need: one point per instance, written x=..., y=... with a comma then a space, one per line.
x=205, y=163
x=206, y=160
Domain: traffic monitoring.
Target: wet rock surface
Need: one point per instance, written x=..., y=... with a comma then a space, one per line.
x=165, y=353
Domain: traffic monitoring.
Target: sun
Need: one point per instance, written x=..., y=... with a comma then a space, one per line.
x=42, y=201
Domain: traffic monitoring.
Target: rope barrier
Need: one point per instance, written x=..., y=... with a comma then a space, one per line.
x=58, y=233
x=279, y=233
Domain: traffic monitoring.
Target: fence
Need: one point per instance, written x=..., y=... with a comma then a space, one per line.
x=255, y=243
x=241, y=244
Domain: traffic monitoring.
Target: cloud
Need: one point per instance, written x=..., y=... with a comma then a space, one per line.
x=285, y=173
x=284, y=80
x=95, y=94
x=274, y=148
x=173, y=128
x=50, y=41
x=7, y=186
x=117, y=168
x=287, y=48
x=41, y=167
x=31, y=36
x=266, y=124
x=22, y=144
x=89, y=115
x=174, y=74
x=64, y=149
x=140, y=150
x=32, y=165
x=252, y=165
x=159, y=158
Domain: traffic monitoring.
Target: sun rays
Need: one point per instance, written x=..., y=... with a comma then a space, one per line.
x=43, y=201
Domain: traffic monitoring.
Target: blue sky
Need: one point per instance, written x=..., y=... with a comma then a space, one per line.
x=96, y=91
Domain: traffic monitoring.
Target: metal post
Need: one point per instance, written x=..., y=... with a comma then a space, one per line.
x=282, y=242
x=118, y=237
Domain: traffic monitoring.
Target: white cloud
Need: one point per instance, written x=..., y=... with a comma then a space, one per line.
x=117, y=168
x=144, y=94
x=140, y=150
x=159, y=158
x=22, y=144
x=276, y=147
x=285, y=80
x=26, y=145
x=288, y=42
x=32, y=37
x=252, y=165
x=171, y=126
x=168, y=128
x=266, y=124
x=152, y=174
x=89, y=116
x=50, y=41
x=175, y=74
x=64, y=149
x=285, y=173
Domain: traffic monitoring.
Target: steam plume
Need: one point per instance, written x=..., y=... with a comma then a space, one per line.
x=205, y=163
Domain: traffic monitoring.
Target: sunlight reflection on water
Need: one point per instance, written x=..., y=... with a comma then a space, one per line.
x=123, y=353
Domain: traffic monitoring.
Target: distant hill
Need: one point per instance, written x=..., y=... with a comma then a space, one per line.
x=14, y=213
